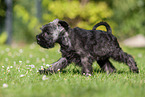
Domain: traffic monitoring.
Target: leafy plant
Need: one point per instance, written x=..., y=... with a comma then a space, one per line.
x=129, y=17
x=3, y=37
x=84, y=16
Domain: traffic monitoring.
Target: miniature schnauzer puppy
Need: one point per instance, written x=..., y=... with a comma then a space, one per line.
x=83, y=47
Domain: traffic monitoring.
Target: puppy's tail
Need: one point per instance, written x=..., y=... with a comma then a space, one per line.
x=109, y=30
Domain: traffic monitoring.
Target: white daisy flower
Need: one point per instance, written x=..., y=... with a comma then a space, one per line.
x=5, y=85
x=44, y=77
x=22, y=75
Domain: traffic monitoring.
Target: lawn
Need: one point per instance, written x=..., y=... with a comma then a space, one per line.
x=19, y=75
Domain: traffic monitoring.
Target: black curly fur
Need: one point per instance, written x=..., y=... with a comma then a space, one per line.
x=83, y=47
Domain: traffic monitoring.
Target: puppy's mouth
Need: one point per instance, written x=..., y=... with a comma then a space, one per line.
x=44, y=43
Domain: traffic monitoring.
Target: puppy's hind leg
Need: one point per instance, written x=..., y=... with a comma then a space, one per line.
x=121, y=56
x=106, y=66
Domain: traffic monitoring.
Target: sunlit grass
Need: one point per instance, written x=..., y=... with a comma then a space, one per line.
x=19, y=76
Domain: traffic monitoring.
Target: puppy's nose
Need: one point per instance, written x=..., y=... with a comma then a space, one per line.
x=37, y=37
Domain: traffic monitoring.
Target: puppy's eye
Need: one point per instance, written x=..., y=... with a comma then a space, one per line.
x=44, y=34
x=58, y=25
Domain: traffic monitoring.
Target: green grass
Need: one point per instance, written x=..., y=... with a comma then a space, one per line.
x=19, y=66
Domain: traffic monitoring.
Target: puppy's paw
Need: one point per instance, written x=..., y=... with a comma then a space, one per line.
x=43, y=71
x=87, y=74
x=135, y=70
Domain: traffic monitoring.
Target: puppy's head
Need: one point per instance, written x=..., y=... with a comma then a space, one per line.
x=51, y=33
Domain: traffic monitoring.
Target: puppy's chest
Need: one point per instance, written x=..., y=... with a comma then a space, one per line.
x=69, y=53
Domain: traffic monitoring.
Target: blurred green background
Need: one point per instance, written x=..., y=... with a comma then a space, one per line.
x=20, y=20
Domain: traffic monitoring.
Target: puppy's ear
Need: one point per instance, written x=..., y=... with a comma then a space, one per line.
x=64, y=24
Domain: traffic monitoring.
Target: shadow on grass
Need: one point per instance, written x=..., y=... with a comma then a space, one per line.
x=95, y=71
x=123, y=72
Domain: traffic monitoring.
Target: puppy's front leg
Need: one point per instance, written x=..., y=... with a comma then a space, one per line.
x=86, y=66
x=57, y=66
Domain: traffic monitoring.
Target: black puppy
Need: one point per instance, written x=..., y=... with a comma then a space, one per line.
x=83, y=47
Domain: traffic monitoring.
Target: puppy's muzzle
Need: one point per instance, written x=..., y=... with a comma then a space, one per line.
x=38, y=39
x=41, y=41
x=45, y=43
